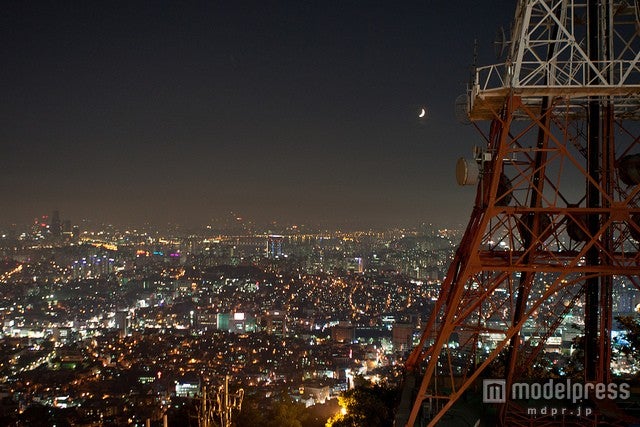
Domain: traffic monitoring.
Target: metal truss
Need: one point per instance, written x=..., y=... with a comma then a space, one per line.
x=569, y=72
x=556, y=220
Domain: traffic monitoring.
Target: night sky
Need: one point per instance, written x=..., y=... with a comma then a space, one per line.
x=296, y=111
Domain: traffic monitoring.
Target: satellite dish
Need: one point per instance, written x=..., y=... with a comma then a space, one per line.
x=500, y=43
x=467, y=171
x=462, y=109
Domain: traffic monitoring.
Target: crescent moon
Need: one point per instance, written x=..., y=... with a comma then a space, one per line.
x=423, y=113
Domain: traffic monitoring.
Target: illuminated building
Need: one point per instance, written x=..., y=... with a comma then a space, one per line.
x=236, y=322
x=188, y=388
x=343, y=332
x=274, y=246
x=274, y=322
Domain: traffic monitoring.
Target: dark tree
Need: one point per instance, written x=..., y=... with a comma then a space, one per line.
x=365, y=406
x=281, y=413
x=286, y=413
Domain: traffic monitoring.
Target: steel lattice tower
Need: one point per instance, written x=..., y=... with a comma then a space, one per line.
x=556, y=221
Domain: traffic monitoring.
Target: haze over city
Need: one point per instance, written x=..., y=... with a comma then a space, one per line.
x=300, y=112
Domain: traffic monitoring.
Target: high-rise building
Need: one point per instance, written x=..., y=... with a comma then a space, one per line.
x=122, y=321
x=274, y=246
x=75, y=232
x=274, y=322
x=55, y=226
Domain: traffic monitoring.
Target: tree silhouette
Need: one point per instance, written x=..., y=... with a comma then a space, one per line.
x=365, y=406
x=283, y=413
x=287, y=413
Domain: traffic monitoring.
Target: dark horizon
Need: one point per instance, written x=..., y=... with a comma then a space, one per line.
x=226, y=223
x=301, y=113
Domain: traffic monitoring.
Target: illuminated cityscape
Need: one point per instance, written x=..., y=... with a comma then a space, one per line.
x=97, y=320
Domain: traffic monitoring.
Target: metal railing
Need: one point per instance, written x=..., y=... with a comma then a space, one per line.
x=565, y=74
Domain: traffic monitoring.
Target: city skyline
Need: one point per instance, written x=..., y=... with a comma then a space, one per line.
x=305, y=113
x=224, y=224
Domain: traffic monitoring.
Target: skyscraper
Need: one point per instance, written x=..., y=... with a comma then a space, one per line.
x=55, y=226
x=274, y=246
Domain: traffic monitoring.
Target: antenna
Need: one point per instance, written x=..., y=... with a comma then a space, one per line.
x=500, y=43
x=474, y=63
